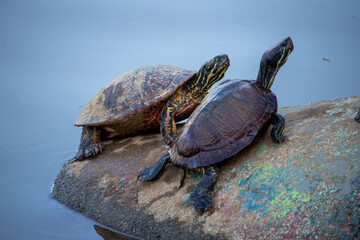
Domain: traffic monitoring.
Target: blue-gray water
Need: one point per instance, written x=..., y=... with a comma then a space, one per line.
x=55, y=55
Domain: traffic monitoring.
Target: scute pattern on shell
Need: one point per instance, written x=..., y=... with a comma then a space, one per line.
x=227, y=121
x=133, y=91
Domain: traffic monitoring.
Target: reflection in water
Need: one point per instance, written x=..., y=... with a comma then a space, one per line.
x=108, y=234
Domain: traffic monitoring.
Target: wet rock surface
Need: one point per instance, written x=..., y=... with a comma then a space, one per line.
x=307, y=187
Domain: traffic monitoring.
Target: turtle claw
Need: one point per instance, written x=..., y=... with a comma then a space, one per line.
x=182, y=178
x=79, y=156
x=146, y=174
x=357, y=117
x=90, y=151
x=169, y=141
x=155, y=171
x=201, y=197
x=72, y=160
x=279, y=124
x=201, y=202
x=278, y=138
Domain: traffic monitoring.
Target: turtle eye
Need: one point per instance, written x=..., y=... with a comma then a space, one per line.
x=217, y=59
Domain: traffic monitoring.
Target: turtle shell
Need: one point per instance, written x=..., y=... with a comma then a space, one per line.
x=135, y=91
x=227, y=120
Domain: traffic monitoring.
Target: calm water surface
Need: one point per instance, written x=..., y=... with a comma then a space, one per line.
x=55, y=55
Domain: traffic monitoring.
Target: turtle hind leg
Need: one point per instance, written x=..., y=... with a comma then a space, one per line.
x=153, y=172
x=279, y=124
x=167, y=125
x=90, y=144
x=201, y=197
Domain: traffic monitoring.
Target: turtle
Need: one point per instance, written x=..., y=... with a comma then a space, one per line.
x=357, y=117
x=143, y=99
x=227, y=120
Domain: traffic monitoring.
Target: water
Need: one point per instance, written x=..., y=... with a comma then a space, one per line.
x=55, y=55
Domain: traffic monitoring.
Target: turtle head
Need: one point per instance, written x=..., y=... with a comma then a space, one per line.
x=272, y=60
x=211, y=72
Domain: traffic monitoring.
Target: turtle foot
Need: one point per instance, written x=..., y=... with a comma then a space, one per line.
x=278, y=138
x=279, y=125
x=169, y=141
x=155, y=171
x=147, y=174
x=357, y=117
x=201, y=202
x=201, y=198
x=90, y=151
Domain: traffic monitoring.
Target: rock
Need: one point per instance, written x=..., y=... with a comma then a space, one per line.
x=307, y=187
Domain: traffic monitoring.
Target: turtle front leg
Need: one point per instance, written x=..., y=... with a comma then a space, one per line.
x=357, y=117
x=168, y=126
x=153, y=172
x=90, y=144
x=201, y=197
x=279, y=124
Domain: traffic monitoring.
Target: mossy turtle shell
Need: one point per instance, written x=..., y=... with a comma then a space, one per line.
x=227, y=120
x=133, y=93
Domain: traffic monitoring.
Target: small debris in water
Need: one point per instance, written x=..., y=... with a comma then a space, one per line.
x=326, y=59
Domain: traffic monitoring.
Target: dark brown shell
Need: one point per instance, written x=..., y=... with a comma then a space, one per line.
x=227, y=121
x=134, y=91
